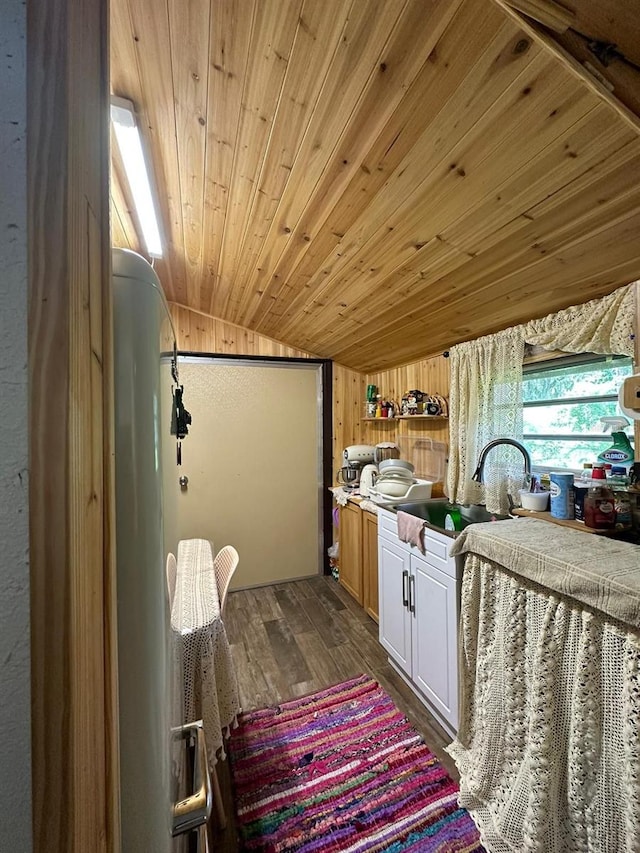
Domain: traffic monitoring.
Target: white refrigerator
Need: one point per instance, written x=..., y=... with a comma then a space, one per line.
x=163, y=795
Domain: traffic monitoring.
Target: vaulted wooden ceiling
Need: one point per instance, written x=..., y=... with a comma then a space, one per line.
x=376, y=180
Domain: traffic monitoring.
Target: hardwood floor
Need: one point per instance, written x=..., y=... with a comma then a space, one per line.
x=294, y=638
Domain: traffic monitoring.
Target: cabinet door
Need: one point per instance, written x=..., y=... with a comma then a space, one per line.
x=434, y=653
x=393, y=582
x=370, y=563
x=350, y=538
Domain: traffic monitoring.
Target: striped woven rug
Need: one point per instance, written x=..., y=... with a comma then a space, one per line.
x=342, y=770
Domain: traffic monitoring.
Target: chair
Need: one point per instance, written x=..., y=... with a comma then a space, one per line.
x=172, y=568
x=224, y=565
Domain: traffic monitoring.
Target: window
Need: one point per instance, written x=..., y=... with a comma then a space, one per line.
x=563, y=402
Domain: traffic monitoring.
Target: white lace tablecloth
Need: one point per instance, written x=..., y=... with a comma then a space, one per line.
x=210, y=685
x=548, y=747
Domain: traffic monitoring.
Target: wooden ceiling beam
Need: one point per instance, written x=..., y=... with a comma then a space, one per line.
x=545, y=12
x=597, y=84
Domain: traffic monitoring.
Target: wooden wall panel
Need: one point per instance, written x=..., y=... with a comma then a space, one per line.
x=74, y=739
x=430, y=375
x=348, y=397
x=196, y=332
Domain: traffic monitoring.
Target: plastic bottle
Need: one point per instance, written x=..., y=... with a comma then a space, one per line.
x=587, y=469
x=621, y=451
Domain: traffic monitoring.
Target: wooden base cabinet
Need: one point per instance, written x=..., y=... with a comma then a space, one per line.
x=358, y=535
x=419, y=615
x=370, y=564
x=350, y=537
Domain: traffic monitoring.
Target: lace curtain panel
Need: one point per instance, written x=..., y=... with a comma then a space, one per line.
x=486, y=388
x=485, y=402
x=548, y=747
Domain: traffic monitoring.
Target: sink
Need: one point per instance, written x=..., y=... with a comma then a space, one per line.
x=434, y=513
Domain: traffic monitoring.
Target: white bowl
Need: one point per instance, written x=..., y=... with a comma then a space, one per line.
x=393, y=488
x=536, y=501
x=395, y=465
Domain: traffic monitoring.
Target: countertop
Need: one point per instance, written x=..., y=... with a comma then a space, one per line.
x=601, y=573
x=355, y=497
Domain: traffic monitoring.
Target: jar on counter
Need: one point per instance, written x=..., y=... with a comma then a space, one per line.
x=562, y=497
x=619, y=484
x=599, y=508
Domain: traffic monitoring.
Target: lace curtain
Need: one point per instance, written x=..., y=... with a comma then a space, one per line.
x=485, y=402
x=486, y=389
x=548, y=748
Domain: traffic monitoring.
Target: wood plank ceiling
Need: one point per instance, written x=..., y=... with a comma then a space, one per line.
x=376, y=180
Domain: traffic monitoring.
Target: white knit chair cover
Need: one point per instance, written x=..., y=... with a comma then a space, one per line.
x=224, y=565
x=172, y=568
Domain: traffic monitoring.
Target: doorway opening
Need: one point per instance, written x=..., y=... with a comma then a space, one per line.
x=257, y=463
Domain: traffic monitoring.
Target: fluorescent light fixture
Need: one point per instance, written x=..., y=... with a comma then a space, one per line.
x=128, y=137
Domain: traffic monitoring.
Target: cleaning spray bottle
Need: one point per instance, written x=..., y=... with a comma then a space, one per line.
x=621, y=451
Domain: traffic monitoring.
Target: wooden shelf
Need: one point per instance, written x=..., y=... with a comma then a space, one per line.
x=421, y=418
x=408, y=418
x=563, y=522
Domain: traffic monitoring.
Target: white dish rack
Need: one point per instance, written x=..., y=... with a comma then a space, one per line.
x=420, y=490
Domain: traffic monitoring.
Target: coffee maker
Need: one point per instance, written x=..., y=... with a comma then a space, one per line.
x=355, y=457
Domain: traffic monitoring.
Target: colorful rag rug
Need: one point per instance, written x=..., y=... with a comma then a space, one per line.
x=343, y=770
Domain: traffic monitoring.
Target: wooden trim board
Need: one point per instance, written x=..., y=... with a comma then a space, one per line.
x=74, y=728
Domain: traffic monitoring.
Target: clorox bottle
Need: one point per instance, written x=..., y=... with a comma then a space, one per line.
x=621, y=451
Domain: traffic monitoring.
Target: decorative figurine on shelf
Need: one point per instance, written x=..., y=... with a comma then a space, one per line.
x=412, y=403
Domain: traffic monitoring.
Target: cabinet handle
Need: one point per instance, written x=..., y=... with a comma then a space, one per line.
x=405, y=599
x=412, y=598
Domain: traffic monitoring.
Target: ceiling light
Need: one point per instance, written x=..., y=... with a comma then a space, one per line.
x=130, y=144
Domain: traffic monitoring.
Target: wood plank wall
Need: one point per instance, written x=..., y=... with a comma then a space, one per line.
x=74, y=739
x=196, y=332
x=430, y=375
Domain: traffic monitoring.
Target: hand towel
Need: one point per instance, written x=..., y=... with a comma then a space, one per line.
x=411, y=529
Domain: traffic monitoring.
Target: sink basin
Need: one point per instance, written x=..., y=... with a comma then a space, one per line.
x=434, y=513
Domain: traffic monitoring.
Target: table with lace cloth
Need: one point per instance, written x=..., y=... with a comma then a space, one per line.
x=209, y=678
x=548, y=747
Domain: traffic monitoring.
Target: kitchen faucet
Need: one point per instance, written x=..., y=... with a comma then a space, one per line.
x=478, y=473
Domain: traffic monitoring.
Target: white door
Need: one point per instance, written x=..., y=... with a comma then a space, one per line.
x=435, y=638
x=393, y=589
x=253, y=459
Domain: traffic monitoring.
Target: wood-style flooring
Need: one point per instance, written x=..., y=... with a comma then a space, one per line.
x=294, y=638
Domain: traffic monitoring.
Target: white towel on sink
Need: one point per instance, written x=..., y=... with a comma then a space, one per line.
x=411, y=529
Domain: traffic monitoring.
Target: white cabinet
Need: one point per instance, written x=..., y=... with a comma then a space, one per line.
x=435, y=627
x=419, y=611
x=394, y=563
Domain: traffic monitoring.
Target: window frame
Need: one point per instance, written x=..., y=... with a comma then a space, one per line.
x=537, y=359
